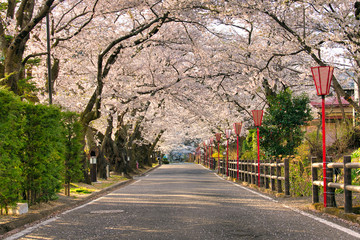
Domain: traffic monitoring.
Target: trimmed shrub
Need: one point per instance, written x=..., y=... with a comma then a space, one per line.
x=43, y=152
x=40, y=146
x=73, y=152
x=11, y=121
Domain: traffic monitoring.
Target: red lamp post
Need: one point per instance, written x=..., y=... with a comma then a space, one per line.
x=322, y=77
x=207, y=152
x=204, y=144
x=237, y=128
x=197, y=154
x=228, y=134
x=211, y=145
x=257, y=115
x=218, y=139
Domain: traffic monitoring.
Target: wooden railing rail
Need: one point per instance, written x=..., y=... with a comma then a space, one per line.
x=346, y=165
x=274, y=173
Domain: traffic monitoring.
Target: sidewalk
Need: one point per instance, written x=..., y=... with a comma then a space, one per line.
x=11, y=224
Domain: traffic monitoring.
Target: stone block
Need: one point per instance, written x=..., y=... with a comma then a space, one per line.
x=20, y=208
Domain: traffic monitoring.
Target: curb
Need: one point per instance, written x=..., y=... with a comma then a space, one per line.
x=22, y=223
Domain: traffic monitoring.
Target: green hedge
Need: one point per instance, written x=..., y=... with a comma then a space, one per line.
x=73, y=149
x=43, y=152
x=35, y=149
x=11, y=134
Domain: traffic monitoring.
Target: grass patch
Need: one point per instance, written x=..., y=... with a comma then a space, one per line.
x=82, y=190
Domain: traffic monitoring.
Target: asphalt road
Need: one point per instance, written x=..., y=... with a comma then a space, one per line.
x=186, y=202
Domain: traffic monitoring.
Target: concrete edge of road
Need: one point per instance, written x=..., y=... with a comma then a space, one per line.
x=35, y=218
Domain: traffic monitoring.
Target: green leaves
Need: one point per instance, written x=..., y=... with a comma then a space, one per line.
x=43, y=158
x=281, y=129
x=73, y=153
x=11, y=143
x=40, y=145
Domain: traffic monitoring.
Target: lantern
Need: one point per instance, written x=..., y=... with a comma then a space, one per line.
x=237, y=128
x=322, y=77
x=257, y=116
x=218, y=137
x=228, y=133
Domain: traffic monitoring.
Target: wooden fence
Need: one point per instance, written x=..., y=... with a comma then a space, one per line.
x=274, y=174
x=210, y=163
x=346, y=166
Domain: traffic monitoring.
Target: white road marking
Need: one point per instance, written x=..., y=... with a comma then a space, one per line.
x=30, y=229
x=328, y=223
x=219, y=176
x=333, y=225
x=256, y=193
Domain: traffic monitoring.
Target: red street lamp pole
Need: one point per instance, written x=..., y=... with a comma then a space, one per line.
x=199, y=154
x=204, y=144
x=237, y=128
x=322, y=77
x=218, y=139
x=228, y=134
x=207, y=147
x=207, y=152
x=211, y=145
x=257, y=115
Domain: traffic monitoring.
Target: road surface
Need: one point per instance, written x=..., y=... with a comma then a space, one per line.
x=186, y=201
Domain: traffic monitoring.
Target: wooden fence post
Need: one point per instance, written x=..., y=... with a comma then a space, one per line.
x=253, y=172
x=272, y=172
x=287, y=176
x=223, y=167
x=267, y=173
x=247, y=169
x=278, y=174
x=330, y=191
x=315, y=188
x=234, y=167
x=243, y=170
x=347, y=181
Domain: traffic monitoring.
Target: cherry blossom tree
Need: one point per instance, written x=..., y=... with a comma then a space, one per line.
x=181, y=70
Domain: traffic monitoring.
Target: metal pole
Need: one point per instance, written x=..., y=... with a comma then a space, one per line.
x=211, y=162
x=205, y=156
x=208, y=157
x=227, y=157
x=48, y=57
x=218, y=157
x=258, y=146
x=237, y=176
x=324, y=150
